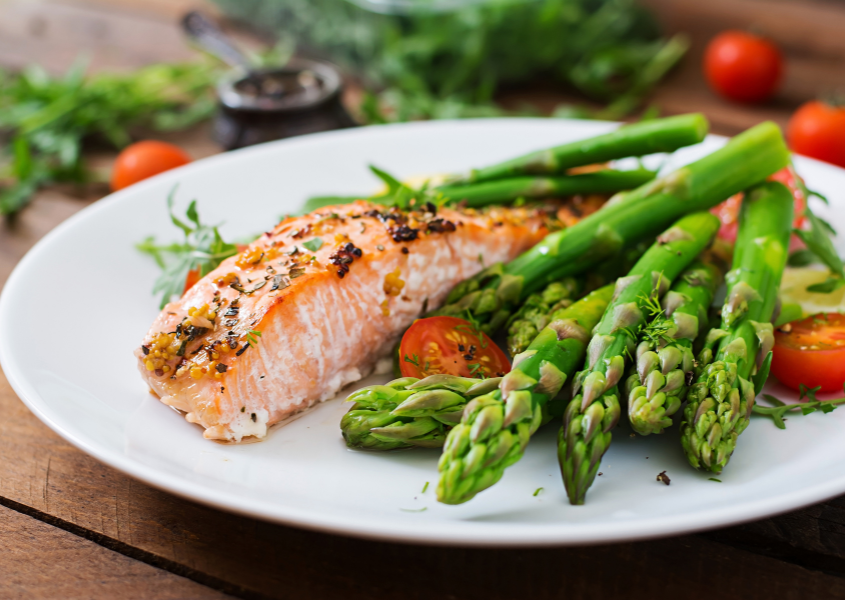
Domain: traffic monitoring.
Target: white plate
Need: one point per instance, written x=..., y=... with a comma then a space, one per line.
x=79, y=303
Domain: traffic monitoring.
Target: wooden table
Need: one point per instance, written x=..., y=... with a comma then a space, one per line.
x=73, y=528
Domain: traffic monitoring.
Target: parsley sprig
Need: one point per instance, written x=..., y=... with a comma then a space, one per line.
x=779, y=409
x=202, y=249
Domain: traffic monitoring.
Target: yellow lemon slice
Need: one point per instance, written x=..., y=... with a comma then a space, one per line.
x=793, y=289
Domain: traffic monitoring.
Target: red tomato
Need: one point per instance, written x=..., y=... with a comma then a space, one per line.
x=448, y=345
x=145, y=159
x=811, y=352
x=743, y=67
x=818, y=130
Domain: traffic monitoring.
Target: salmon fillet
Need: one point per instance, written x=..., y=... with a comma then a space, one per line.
x=313, y=305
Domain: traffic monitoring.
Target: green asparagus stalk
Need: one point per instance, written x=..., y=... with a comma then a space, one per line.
x=639, y=139
x=409, y=412
x=594, y=410
x=495, y=428
x=664, y=356
x=506, y=190
x=721, y=400
x=748, y=158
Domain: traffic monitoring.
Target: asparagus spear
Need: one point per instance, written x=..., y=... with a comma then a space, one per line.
x=594, y=411
x=506, y=190
x=538, y=310
x=664, y=356
x=639, y=139
x=495, y=427
x=409, y=412
x=745, y=160
x=721, y=400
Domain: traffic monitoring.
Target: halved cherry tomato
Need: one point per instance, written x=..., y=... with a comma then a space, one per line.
x=448, y=345
x=145, y=159
x=811, y=352
x=743, y=67
x=817, y=129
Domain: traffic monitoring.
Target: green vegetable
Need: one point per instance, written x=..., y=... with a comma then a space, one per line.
x=506, y=190
x=495, y=428
x=491, y=296
x=594, y=411
x=664, y=355
x=202, y=249
x=47, y=120
x=639, y=139
x=446, y=63
x=721, y=400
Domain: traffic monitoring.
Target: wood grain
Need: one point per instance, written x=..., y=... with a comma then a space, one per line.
x=40, y=561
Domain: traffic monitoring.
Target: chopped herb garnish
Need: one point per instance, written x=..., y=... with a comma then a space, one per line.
x=415, y=361
x=425, y=487
x=279, y=283
x=423, y=509
x=663, y=478
x=296, y=272
x=380, y=247
x=537, y=492
x=221, y=368
x=714, y=479
x=258, y=286
x=313, y=245
x=251, y=338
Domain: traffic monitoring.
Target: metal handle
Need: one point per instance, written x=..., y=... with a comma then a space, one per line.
x=207, y=34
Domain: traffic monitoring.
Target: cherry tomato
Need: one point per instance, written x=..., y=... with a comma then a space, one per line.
x=811, y=352
x=743, y=67
x=818, y=130
x=448, y=345
x=145, y=159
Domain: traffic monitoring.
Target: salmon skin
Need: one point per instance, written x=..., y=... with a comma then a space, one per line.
x=315, y=304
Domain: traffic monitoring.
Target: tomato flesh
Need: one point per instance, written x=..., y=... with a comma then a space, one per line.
x=811, y=352
x=451, y=346
x=145, y=159
x=191, y=279
x=743, y=67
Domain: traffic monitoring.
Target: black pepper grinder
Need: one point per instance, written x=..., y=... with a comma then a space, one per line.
x=261, y=105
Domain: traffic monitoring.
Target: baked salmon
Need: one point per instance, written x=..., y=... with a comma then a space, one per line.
x=315, y=304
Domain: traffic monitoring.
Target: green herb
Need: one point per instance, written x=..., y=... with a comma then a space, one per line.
x=425, y=487
x=423, y=509
x=819, y=245
x=476, y=371
x=46, y=120
x=714, y=479
x=434, y=63
x=415, y=361
x=251, y=338
x=202, y=249
x=537, y=491
x=779, y=409
x=313, y=245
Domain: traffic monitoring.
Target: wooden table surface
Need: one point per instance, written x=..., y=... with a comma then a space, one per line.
x=71, y=527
